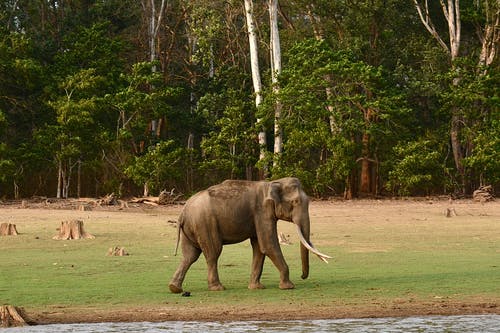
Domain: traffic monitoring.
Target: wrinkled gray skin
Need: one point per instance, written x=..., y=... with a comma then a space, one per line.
x=234, y=211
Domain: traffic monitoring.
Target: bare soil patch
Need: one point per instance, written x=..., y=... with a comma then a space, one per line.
x=394, y=308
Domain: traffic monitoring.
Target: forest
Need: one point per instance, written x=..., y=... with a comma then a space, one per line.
x=355, y=98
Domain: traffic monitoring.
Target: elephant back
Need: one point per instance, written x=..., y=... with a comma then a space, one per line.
x=230, y=189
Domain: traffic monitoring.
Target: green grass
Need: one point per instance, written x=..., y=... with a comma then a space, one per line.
x=390, y=258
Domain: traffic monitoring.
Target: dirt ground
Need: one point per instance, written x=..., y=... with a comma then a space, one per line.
x=376, y=209
x=398, y=308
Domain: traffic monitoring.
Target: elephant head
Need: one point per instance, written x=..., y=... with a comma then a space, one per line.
x=292, y=204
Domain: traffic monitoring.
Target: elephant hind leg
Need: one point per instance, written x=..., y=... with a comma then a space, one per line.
x=190, y=254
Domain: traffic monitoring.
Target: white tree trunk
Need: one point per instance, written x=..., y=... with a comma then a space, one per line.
x=59, y=179
x=257, y=82
x=154, y=25
x=489, y=34
x=275, y=72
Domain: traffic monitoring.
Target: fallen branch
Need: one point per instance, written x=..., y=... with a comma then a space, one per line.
x=483, y=194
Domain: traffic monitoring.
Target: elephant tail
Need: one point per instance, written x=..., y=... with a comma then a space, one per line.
x=180, y=223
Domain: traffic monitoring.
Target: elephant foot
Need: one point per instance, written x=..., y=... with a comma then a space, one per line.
x=256, y=285
x=174, y=288
x=216, y=287
x=286, y=285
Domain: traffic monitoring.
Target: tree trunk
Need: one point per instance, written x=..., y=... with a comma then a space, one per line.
x=365, y=177
x=257, y=82
x=72, y=230
x=153, y=25
x=79, y=179
x=275, y=72
x=59, y=180
x=489, y=36
x=456, y=145
x=7, y=229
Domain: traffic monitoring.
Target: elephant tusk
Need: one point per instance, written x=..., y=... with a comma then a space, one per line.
x=320, y=255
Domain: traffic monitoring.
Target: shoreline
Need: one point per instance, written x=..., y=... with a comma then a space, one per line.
x=394, y=308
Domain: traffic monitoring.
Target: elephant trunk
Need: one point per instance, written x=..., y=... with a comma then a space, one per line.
x=304, y=230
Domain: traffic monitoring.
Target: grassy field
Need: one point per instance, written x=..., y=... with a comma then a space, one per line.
x=384, y=251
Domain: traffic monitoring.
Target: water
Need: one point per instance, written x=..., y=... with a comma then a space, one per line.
x=431, y=324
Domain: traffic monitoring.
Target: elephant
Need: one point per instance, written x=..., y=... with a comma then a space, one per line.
x=236, y=210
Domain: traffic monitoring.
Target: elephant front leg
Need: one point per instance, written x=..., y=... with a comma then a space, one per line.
x=274, y=253
x=269, y=245
x=257, y=266
x=282, y=266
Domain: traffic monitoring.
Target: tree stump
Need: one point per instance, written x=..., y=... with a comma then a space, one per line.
x=72, y=230
x=10, y=316
x=450, y=212
x=117, y=251
x=7, y=229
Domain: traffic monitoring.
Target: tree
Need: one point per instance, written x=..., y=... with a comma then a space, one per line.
x=229, y=149
x=275, y=48
x=257, y=83
x=157, y=167
x=70, y=136
x=451, y=12
x=144, y=96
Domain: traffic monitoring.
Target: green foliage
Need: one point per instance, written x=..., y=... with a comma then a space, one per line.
x=485, y=157
x=330, y=100
x=75, y=108
x=418, y=168
x=158, y=167
x=7, y=166
x=75, y=88
x=230, y=147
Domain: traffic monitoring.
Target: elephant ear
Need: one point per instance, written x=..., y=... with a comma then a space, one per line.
x=275, y=192
x=273, y=199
